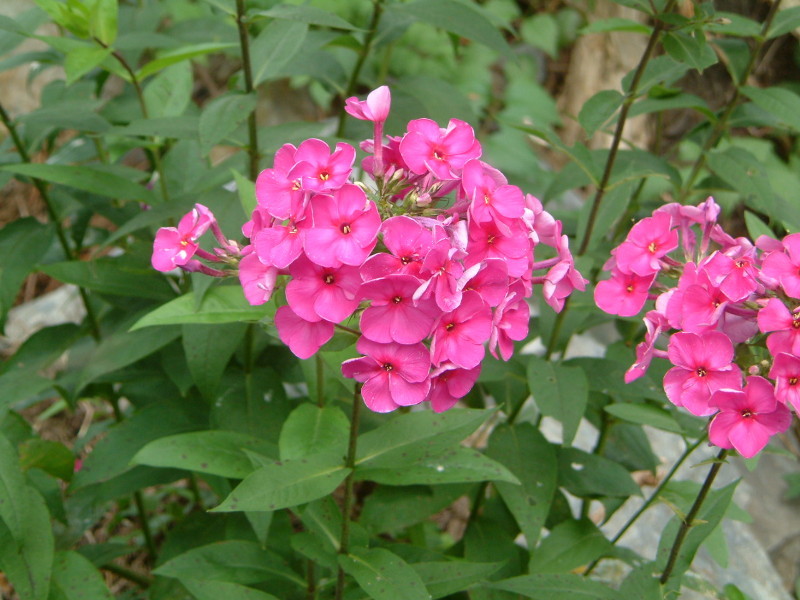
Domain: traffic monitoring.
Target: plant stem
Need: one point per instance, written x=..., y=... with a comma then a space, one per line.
x=247, y=67
x=722, y=122
x=689, y=518
x=350, y=461
x=630, y=98
x=311, y=584
x=162, y=180
x=94, y=328
x=143, y=581
x=320, y=381
x=656, y=493
x=377, y=10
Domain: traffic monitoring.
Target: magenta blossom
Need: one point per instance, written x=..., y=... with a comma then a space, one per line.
x=775, y=316
x=491, y=198
x=655, y=323
x=407, y=240
x=328, y=293
x=444, y=152
x=393, y=375
x=785, y=266
x=303, y=337
x=648, y=241
x=509, y=323
x=624, y=294
x=748, y=418
x=786, y=373
x=703, y=365
x=277, y=192
x=375, y=108
x=175, y=246
x=318, y=169
x=257, y=279
x=393, y=316
x=459, y=335
x=449, y=384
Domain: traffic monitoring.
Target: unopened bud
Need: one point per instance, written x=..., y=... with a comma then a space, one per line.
x=753, y=370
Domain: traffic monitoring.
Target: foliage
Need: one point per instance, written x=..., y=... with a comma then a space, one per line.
x=215, y=464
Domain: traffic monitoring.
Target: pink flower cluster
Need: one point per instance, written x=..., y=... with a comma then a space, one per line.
x=722, y=293
x=428, y=262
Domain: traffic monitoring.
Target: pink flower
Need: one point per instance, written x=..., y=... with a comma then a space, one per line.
x=489, y=279
x=562, y=278
x=647, y=242
x=736, y=278
x=345, y=228
x=393, y=375
x=491, y=198
x=303, y=337
x=703, y=365
x=449, y=384
x=175, y=246
x=277, y=191
x=786, y=373
x=280, y=245
x=257, y=279
x=785, y=266
x=748, y=418
x=375, y=108
x=317, y=292
x=655, y=323
x=445, y=271
x=486, y=240
x=509, y=323
x=459, y=335
x=775, y=316
x=428, y=148
x=407, y=240
x=392, y=315
x=624, y=294
x=318, y=169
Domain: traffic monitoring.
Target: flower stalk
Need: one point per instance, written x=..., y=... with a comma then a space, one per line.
x=350, y=462
x=247, y=68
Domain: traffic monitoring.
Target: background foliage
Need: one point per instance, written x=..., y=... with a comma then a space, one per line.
x=207, y=461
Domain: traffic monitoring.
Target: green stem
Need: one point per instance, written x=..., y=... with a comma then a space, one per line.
x=362, y=57
x=156, y=154
x=656, y=493
x=688, y=520
x=320, y=381
x=248, y=359
x=94, y=328
x=311, y=582
x=247, y=67
x=350, y=462
x=630, y=98
x=143, y=581
x=722, y=122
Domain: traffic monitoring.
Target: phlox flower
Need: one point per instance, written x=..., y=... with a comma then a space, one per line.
x=509, y=323
x=375, y=108
x=317, y=292
x=786, y=373
x=735, y=277
x=489, y=278
x=491, y=198
x=175, y=246
x=443, y=269
x=257, y=279
x=624, y=294
x=277, y=191
x=785, y=266
x=655, y=322
x=320, y=171
x=345, y=228
x=426, y=147
x=775, y=316
x=303, y=337
x=648, y=241
x=458, y=336
x=280, y=245
x=703, y=365
x=449, y=384
x=392, y=315
x=562, y=278
x=486, y=240
x=747, y=418
x=407, y=240
x=393, y=374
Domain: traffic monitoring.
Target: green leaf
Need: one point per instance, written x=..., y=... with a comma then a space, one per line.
x=571, y=544
x=169, y=93
x=214, y=452
x=306, y=13
x=616, y=24
x=86, y=178
x=223, y=590
x=410, y=436
x=383, y=575
x=180, y=54
x=565, y=586
x=275, y=47
x=743, y=172
x=287, y=483
x=560, y=392
x=51, y=457
x=756, y=227
x=785, y=21
x=122, y=276
x=180, y=127
x=644, y=414
x=392, y=509
x=448, y=577
x=464, y=19
x=524, y=450
x=589, y=475
x=22, y=244
x=75, y=578
x=82, y=60
x=694, y=51
x=541, y=31
x=598, y=109
x=312, y=430
x=27, y=560
x=458, y=465
x=103, y=21
x=232, y=561
x=111, y=456
x=661, y=69
x=12, y=490
x=222, y=304
x=123, y=348
x=780, y=103
x=247, y=192
x=223, y=115
x=208, y=350
x=678, y=101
